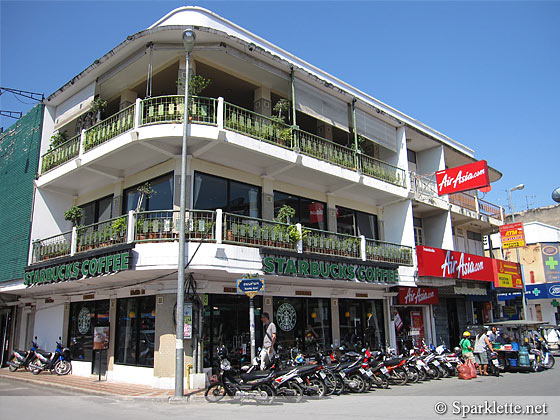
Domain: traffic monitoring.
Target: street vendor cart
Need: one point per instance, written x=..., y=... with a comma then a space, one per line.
x=514, y=344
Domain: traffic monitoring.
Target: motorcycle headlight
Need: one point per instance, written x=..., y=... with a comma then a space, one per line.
x=225, y=364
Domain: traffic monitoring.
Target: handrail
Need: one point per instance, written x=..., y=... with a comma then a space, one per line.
x=51, y=247
x=382, y=170
x=109, y=128
x=257, y=232
x=377, y=250
x=60, y=154
x=326, y=150
x=171, y=109
x=332, y=243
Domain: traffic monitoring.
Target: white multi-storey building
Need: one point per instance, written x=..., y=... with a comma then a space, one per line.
x=268, y=130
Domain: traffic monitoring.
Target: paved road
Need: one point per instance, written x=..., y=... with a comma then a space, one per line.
x=28, y=401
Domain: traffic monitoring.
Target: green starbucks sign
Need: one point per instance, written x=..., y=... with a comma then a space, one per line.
x=73, y=270
x=286, y=266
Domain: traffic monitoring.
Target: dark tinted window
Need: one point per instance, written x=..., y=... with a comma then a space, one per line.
x=353, y=222
x=309, y=213
x=135, y=331
x=162, y=199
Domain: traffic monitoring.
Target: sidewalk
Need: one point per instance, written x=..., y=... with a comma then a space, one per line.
x=93, y=386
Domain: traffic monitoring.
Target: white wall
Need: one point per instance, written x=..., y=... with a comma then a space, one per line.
x=48, y=325
x=74, y=106
x=437, y=231
x=397, y=220
x=430, y=160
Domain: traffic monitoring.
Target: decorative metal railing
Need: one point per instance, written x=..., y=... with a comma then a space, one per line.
x=331, y=243
x=251, y=231
x=162, y=225
x=326, y=150
x=99, y=235
x=491, y=210
x=258, y=126
x=52, y=247
x=61, y=154
x=382, y=170
x=388, y=252
x=109, y=128
x=464, y=200
x=171, y=109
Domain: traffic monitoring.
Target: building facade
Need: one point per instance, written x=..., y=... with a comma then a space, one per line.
x=266, y=130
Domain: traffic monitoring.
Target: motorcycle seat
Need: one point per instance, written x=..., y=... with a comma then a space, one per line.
x=306, y=369
x=257, y=374
x=394, y=361
x=44, y=353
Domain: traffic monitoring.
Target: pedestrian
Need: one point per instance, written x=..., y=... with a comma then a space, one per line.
x=268, y=341
x=493, y=335
x=466, y=347
x=481, y=346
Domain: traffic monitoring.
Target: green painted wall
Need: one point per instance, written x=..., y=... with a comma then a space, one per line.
x=19, y=161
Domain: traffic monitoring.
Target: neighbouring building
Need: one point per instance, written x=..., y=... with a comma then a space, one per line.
x=540, y=259
x=266, y=129
x=19, y=161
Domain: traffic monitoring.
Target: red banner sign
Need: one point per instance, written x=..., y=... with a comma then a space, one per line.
x=418, y=296
x=438, y=262
x=512, y=235
x=463, y=178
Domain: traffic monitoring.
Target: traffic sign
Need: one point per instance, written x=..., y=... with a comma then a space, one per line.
x=250, y=287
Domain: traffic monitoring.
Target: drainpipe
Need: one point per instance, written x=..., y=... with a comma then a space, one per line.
x=356, y=162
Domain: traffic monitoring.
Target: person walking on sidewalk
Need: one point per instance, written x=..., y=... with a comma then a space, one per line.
x=481, y=346
x=466, y=347
x=268, y=341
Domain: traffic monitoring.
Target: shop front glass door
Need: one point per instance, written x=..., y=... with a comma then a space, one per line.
x=357, y=329
x=226, y=322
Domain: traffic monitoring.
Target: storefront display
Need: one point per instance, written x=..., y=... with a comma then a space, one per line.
x=361, y=323
x=84, y=318
x=135, y=331
x=303, y=322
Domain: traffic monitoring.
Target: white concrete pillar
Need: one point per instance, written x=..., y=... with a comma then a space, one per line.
x=262, y=103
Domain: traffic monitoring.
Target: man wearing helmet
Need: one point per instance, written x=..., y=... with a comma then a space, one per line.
x=466, y=347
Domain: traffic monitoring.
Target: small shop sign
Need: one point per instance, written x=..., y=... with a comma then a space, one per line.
x=463, y=178
x=250, y=286
x=74, y=270
x=418, y=296
x=512, y=235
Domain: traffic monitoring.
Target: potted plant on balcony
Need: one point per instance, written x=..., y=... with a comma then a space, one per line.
x=58, y=139
x=73, y=215
x=145, y=191
x=119, y=227
x=283, y=134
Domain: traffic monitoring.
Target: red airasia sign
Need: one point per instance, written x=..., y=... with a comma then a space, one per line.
x=463, y=178
x=418, y=296
x=438, y=262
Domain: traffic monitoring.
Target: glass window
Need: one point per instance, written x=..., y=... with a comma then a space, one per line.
x=162, y=199
x=212, y=192
x=309, y=213
x=97, y=211
x=135, y=331
x=84, y=317
x=303, y=322
x=353, y=222
x=361, y=323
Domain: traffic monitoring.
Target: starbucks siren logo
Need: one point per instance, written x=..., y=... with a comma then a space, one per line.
x=84, y=320
x=286, y=317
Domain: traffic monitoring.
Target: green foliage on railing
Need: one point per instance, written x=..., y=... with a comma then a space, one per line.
x=381, y=170
x=109, y=128
x=171, y=109
x=381, y=251
x=61, y=154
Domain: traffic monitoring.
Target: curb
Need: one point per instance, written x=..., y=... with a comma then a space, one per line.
x=191, y=395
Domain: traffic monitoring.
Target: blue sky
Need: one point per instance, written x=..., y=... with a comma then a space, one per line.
x=484, y=73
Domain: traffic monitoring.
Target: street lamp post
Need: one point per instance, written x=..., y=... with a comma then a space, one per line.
x=188, y=42
x=517, y=188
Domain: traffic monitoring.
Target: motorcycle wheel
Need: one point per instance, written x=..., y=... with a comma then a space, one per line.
x=266, y=396
x=443, y=370
x=550, y=363
x=413, y=374
x=320, y=385
x=360, y=384
x=215, y=393
x=382, y=382
x=422, y=376
x=298, y=391
x=434, y=372
x=399, y=376
x=330, y=382
x=13, y=368
x=339, y=385
x=534, y=365
x=62, y=367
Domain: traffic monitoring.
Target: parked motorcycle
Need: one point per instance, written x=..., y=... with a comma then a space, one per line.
x=22, y=358
x=58, y=361
x=256, y=385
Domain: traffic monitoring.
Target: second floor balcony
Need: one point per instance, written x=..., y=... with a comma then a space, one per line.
x=266, y=146
x=217, y=227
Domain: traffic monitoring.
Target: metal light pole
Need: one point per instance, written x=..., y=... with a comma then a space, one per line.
x=188, y=42
x=517, y=188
